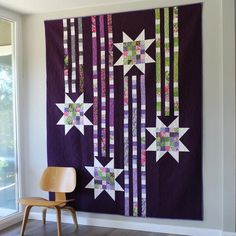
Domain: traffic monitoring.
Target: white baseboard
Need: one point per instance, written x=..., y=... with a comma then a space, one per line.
x=11, y=220
x=228, y=234
x=148, y=227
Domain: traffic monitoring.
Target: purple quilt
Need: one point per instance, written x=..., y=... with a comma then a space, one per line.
x=124, y=107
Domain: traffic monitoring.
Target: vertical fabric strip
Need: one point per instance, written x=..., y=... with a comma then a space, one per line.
x=73, y=74
x=66, y=57
x=158, y=62
x=81, y=55
x=167, y=62
x=176, y=61
x=143, y=144
x=95, y=87
x=111, y=86
x=126, y=143
x=134, y=145
x=103, y=86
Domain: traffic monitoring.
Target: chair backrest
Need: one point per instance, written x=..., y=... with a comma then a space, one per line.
x=58, y=179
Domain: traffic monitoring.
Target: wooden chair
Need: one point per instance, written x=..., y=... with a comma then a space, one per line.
x=59, y=180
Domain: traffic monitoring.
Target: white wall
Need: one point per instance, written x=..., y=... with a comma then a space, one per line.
x=218, y=153
x=229, y=113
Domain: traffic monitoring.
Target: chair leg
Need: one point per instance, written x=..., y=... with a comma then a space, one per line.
x=73, y=213
x=58, y=209
x=44, y=211
x=25, y=219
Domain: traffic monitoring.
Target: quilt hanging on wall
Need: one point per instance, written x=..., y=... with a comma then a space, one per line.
x=124, y=107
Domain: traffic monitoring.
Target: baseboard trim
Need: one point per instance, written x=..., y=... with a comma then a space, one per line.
x=148, y=227
x=11, y=220
x=228, y=234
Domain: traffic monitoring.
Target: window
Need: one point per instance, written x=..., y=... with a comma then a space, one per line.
x=8, y=150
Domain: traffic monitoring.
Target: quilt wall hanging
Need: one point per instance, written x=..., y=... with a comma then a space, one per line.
x=124, y=107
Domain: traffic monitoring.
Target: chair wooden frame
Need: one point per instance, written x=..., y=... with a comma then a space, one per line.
x=60, y=180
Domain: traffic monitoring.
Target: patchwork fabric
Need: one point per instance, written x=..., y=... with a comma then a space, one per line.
x=104, y=178
x=158, y=61
x=73, y=114
x=168, y=139
x=124, y=107
x=134, y=52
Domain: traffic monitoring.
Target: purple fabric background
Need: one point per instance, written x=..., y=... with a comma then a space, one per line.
x=174, y=190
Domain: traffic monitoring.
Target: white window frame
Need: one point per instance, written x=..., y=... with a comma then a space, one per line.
x=16, y=19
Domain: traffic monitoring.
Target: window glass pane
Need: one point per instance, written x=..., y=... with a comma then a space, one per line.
x=8, y=188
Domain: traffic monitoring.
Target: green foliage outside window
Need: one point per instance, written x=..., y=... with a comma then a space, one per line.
x=7, y=171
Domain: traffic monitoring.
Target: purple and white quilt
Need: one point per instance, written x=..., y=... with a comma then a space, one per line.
x=124, y=107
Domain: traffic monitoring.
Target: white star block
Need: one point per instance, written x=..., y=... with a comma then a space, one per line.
x=167, y=139
x=74, y=113
x=134, y=52
x=104, y=179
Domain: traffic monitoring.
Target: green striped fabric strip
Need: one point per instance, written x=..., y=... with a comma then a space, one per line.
x=167, y=62
x=158, y=62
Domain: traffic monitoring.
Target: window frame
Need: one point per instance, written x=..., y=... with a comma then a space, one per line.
x=16, y=31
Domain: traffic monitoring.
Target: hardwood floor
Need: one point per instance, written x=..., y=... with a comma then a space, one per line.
x=36, y=228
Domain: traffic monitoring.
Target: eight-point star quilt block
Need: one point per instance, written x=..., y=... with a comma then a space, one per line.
x=104, y=179
x=167, y=139
x=134, y=52
x=74, y=113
